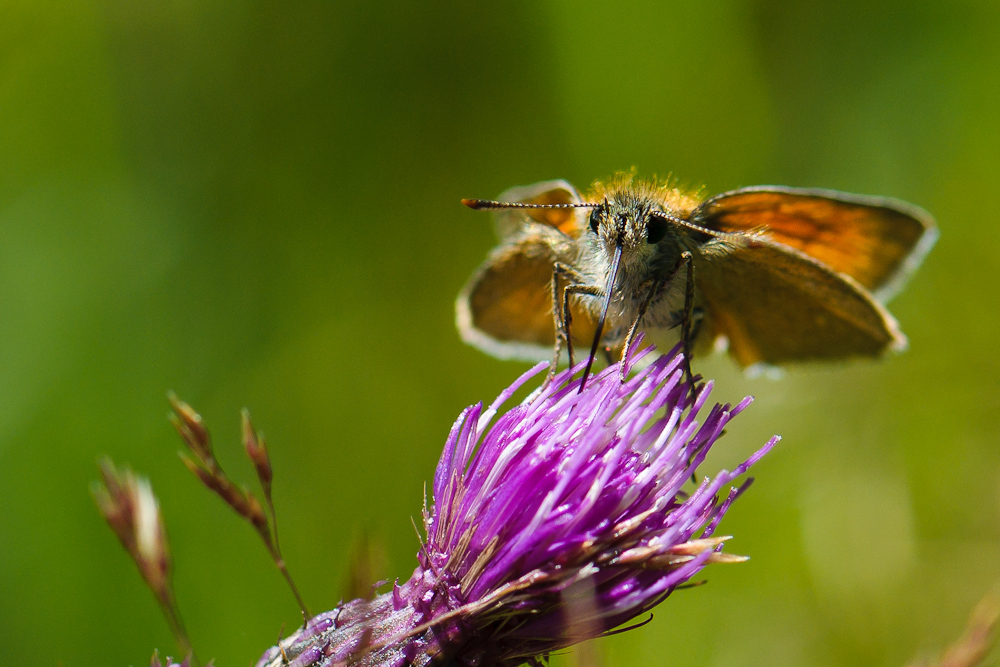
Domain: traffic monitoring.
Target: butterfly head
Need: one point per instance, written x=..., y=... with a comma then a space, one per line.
x=637, y=227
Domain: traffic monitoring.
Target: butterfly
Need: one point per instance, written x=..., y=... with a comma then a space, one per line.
x=774, y=274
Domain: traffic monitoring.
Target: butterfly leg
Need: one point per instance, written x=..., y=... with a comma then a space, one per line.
x=686, y=332
x=560, y=312
x=654, y=289
x=567, y=314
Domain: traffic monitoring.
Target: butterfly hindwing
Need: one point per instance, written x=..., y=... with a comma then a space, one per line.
x=506, y=308
x=777, y=305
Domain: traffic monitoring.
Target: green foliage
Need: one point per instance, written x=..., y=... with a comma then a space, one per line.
x=256, y=204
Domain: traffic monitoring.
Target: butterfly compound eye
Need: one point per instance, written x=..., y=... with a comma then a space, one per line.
x=595, y=221
x=656, y=229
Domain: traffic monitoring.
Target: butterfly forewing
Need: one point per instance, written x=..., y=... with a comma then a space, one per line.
x=509, y=222
x=877, y=241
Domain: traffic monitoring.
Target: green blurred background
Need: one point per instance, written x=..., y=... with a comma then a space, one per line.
x=256, y=204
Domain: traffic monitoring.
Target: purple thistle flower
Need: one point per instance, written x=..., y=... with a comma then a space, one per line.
x=562, y=521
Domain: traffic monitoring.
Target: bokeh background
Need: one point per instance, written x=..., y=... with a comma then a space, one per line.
x=256, y=204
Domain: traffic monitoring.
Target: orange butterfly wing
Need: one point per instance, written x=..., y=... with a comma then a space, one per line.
x=568, y=221
x=878, y=241
x=777, y=305
x=506, y=307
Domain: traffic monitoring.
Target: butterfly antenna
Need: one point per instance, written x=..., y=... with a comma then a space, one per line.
x=695, y=227
x=489, y=205
x=608, y=292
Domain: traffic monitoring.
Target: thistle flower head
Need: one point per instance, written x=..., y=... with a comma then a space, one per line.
x=563, y=520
